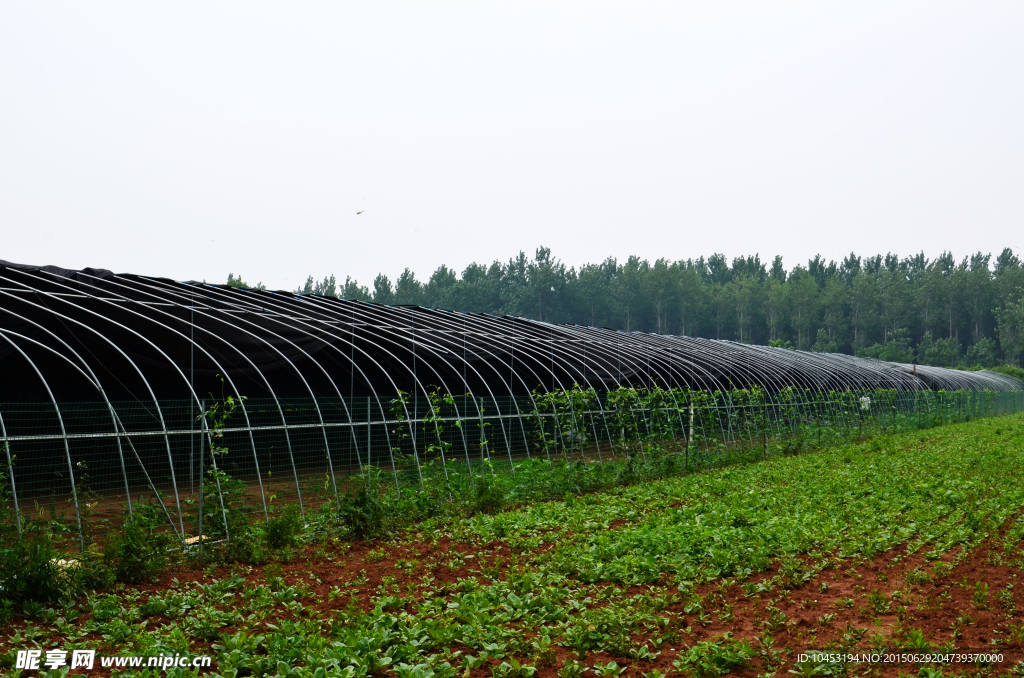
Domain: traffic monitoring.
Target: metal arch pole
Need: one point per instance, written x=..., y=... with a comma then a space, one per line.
x=241, y=404
x=775, y=383
x=698, y=372
x=586, y=381
x=316, y=404
x=630, y=341
x=541, y=360
x=356, y=368
x=740, y=355
x=544, y=359
x=99, y=388
x=472, y=397
x=280, y=409
x=345, y=407
x=287, y=438
x=511, y=373
x=483, y=349
x=10, y=471
x=419, y=383
x=330, y=330
x=145, y=381
x=441, y=321
x=444, y=462
x=476, y=352
x=64, y=434
x=117, y=348
x=428, y=345
x=565, y=357
x=479, y=351
x=823, y=373
x=176, y=367
x=529, y=391
x=652, y=346
x=503, y=341
x=458, y=414
x=508, y=341
x=565, y=367
x=694, y=366
x=711, y=386
x=674, y=390
x=655, y=349
x=604, y=416
x=425, y=344
x=409, y=418
x=156, y=403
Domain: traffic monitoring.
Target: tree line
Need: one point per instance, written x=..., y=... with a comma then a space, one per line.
x=942, y=312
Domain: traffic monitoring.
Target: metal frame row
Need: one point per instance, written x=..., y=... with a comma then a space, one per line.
x=92, y=335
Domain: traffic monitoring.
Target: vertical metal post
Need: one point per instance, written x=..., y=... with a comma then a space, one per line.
x=259, y=475
x=485, y=454
x=327, y=450
x=220, y=491
x=689, y=398
x=124, y=471
x=10, y=472
x=149, y=481
x=64, y=436
x=202, y=461
x=291, y=456
x=387, y=438
x=593, y=427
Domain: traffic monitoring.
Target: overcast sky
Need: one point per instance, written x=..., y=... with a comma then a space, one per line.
x=190, y=140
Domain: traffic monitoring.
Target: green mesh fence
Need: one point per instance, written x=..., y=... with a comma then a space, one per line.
x=84, y=463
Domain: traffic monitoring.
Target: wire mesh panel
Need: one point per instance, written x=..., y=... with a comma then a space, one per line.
x=200, y=460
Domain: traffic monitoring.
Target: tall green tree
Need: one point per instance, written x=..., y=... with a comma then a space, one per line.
x=804, y=300
x=938, y=311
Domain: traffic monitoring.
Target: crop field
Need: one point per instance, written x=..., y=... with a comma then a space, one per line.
x=909, y=544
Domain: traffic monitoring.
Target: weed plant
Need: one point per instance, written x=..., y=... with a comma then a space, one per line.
x=595, y=581
x=141, y=549
x=284, y=529
x=33, y=566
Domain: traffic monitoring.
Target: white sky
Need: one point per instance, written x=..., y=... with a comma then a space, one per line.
x=192, y=139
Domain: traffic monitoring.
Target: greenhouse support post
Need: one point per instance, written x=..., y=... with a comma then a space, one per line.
x=10, y=475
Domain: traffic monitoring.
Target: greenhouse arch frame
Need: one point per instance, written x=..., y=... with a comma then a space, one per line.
x=107, y=378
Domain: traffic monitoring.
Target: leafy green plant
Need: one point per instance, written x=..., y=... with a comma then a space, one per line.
x=489, y=494
x=917, y=642
x=512, y=668
x=284, y=529
x=32, y=608
x=980, y=596
x=643, y=653
x=1006, y=600
x=543, y=651
x=602, y=571
x=361, y=507
x=33, y=568
x=810, y=669
x=609, y=670
x=711, y=658
x=878, y=603
x=572, y=668
x=140, y=551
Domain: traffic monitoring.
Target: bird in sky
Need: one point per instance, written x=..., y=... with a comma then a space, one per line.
x=360, y=211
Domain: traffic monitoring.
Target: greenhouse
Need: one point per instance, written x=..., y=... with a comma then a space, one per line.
x=120, y=386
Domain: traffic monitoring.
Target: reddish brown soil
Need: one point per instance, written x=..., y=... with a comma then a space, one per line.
x=931, y=606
